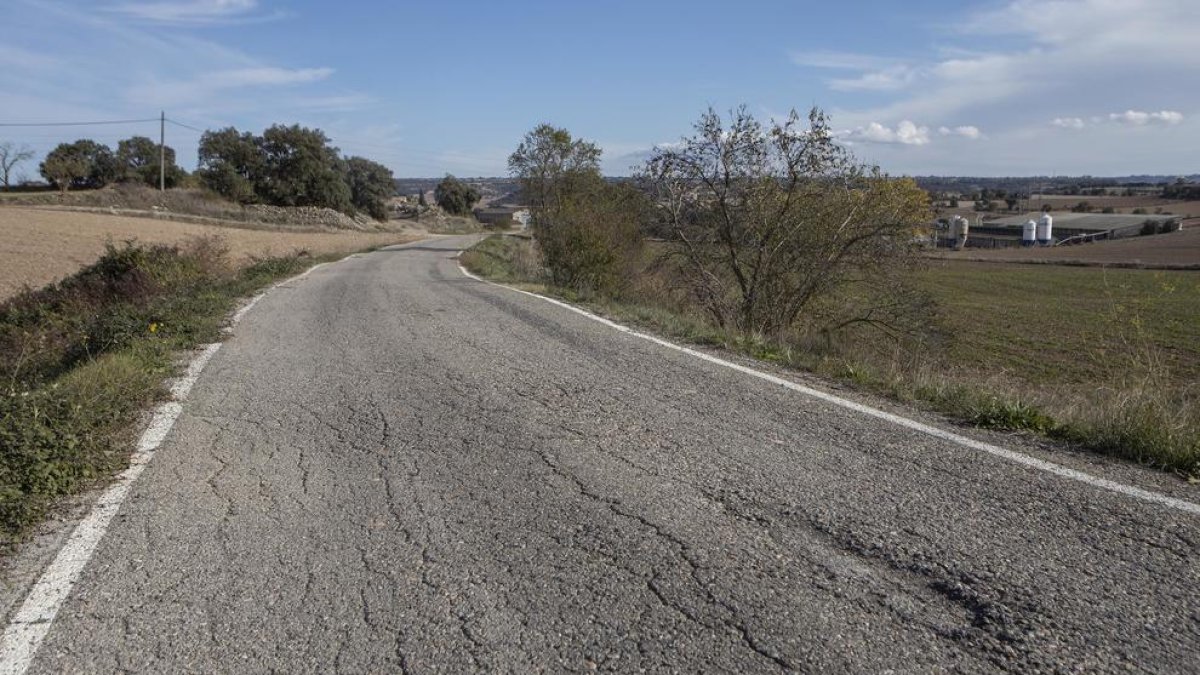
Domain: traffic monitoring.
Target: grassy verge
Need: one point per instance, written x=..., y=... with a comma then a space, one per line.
x=1108, y=360
x=82, y=359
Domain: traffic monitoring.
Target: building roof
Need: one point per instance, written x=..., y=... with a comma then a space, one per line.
x=1082, y=221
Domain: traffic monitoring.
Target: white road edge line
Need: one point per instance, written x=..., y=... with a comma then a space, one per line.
x=29, y=626
x=1011, y=455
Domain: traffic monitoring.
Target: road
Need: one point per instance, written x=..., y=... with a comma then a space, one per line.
x=393, y=467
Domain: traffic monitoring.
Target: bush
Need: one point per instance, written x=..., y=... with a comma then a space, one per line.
x=80, y=359
x=455, y=196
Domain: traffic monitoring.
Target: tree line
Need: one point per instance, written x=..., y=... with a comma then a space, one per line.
x=88, y=164
x=762, y=227
x=283, y=166
x=292, y=166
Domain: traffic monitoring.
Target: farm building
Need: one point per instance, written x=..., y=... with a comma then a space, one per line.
x=1070, y=228
x=503, y=215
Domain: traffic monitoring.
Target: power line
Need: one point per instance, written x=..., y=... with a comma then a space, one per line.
x=185, y=126
x=74, y=124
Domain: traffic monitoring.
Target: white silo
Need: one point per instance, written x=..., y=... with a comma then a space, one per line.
x=1045, y=229
x=1029, y=233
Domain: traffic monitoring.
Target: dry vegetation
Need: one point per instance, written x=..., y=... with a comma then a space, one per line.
x=80, y=360
x=40, y=246
x=1109, y=359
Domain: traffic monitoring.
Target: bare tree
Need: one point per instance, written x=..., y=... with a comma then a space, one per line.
x=772, y=222
x=10, y=157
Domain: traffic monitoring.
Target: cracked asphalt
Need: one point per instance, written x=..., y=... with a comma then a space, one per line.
x=393, y=468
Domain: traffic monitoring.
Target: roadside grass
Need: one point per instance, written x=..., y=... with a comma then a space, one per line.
x=82, y=359
x=443, y=223
x=1106, y=360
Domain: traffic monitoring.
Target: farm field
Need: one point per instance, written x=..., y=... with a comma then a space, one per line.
x=1118, y=203
x=1175, y=249
x=38, y=247
x=1052, y=325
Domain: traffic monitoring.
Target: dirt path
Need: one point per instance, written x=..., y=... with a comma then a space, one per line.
x=38, y=247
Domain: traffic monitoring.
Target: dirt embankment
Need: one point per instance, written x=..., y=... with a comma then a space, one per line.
x=40, y=246
x=190, y=205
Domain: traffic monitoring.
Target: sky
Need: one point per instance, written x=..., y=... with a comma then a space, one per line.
x=993, y=88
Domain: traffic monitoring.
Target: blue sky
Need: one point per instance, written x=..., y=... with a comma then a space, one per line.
x=1003, y=87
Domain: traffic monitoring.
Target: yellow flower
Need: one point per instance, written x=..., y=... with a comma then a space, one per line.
x=154, y=328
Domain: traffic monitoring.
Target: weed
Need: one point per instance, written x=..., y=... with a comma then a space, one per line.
x=1104, y=359
x=80, y=360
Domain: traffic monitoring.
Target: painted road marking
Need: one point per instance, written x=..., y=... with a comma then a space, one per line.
x=1011, y=455
x=29, y=626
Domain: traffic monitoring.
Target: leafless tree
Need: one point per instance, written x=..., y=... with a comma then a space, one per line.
x=10, y=157
x=772, y=222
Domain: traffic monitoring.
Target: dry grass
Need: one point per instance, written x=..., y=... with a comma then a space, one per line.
x=38, y=247
x=1108, y=359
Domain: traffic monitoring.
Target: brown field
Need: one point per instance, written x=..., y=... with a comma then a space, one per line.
x=39, y=247
x=1177, y=249
x=1119, y=204
x=1063, y=203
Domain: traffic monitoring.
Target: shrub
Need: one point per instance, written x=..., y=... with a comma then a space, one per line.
x=455, y=196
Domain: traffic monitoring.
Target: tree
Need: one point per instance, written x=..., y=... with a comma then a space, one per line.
x=230, y=163
x=553, y=167
x=300, y=168
x=10, y=157
x=82, y=164
x=455, y=196
x=138, y=160
x=63, y=167
x=371, y=186
x=587, y=230
x=775, y=224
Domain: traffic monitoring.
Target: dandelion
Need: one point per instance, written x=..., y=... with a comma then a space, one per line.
x=154, y=328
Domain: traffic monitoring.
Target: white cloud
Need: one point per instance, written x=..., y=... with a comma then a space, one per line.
x=263, y=76
x=1010, y=67
x=1140, y=118
x=1069, y=122
x=888, y=79
x=966, y=131
x=193, y=11
x=840, y=60
x=204, y=86
x=1137, y=118
x=905, y=133
x=1063, y=48
x=874, y=73
x=14, y=57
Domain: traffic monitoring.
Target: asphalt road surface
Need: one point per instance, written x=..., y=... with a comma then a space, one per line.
x=392, y=467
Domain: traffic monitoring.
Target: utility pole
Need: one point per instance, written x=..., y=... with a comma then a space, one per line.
x=162, y=152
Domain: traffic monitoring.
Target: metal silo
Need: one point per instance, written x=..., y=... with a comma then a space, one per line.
x=1029, y=233
x=1045, y=229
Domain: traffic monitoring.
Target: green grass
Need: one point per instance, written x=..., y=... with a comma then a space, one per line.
x=1108, y=360
x=81, y=360
x=1055, y=325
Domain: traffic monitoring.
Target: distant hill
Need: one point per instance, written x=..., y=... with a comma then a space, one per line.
x=1041, y=184
x=495, y=190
